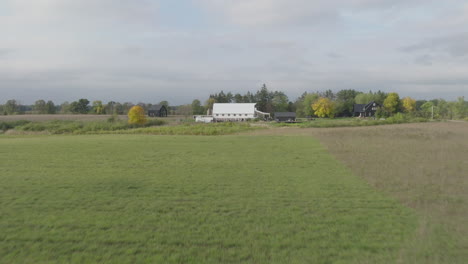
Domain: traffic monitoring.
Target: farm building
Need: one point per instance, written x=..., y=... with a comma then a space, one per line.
x=366, y=110
x=285, y=116
x=203, y=119
x=158, y=111
x=236, y=112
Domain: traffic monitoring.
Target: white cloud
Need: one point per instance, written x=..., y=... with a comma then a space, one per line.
x=82, y=11
x=453, y=46
x=296, y=12
x=101, y=49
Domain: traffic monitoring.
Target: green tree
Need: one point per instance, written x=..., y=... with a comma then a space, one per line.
x=345, y=100
x=80, y=107
x=291, y=107
x=328, y=94
x=136, y=115
x=461, y=107
x=426, y=109
x=442, y=109
x=109, y=108
x=238, y=98
x=40, y=107
x=197, y=108
x=379, y=97
x=98, y=108
x=165, y=103
x=392, y=103
x=11, y=107
x=50, y=106
x=65, y=107
x=381, y=113
x=126, y=107
x=209, y=104
x=185, y=110
x=222, y=97
x=324, y=107
x=263, y=99
x=144, y=106
x=309, y=100
x=419, y=103
x=249, y=98
x=364, y=98
x=299, y=105
x=280, y=102
x=119, y=109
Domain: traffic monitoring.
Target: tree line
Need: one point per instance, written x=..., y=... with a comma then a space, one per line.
x=340, y=104
x=81, y=106
x=309, y=104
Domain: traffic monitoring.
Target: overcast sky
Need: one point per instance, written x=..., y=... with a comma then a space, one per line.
x=179, y=50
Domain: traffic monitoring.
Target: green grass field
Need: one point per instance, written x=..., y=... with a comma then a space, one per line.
x=189, y=199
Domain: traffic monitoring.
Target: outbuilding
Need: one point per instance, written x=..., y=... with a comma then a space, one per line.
x=285, y=116
x=203, y=119
x=158, y=110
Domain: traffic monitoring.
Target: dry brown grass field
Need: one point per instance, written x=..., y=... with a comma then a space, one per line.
x=43, y=118
x=424, y=166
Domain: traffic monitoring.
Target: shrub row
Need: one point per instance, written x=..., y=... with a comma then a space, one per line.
x=6, y=125
x=354, y=122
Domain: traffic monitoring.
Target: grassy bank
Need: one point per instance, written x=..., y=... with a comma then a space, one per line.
x=188, y=199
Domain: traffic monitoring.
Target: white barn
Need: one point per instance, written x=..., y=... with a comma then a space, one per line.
x=236, y=112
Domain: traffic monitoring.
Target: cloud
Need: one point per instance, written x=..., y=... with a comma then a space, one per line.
x=125, y=50
x=454, y=45
x=334, y=55
x=83, y=11
x=424, y=60
x=296, y=12
x=5, y=52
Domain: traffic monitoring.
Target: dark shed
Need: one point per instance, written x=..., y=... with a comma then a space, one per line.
x=285, y=116
x=159, y=110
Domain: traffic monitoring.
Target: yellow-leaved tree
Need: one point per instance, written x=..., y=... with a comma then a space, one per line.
x=136, y=115
x=324, y=107
x=392, y=103
x=409, y=104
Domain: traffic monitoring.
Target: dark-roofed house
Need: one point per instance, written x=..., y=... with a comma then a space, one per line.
x=159, y=110
x=366, y=110
x=285, y=116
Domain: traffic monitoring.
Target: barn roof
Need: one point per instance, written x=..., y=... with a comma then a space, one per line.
x=156, y=107
x=285, y=114
x=359, y=107
x=245, y=108
x=363, y=107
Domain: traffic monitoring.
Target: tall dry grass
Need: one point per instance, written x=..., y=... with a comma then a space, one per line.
x=424, y=166
x=64, y=117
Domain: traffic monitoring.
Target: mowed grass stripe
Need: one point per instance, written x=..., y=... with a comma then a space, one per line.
x=188, y=199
